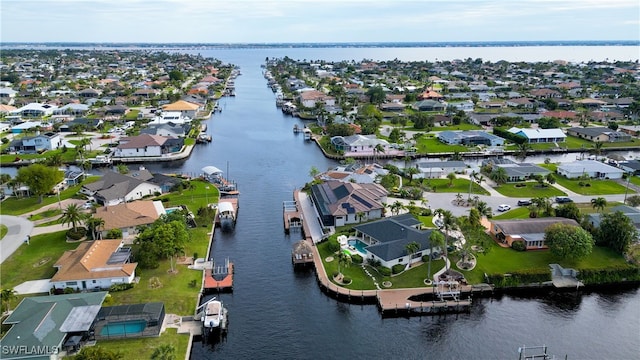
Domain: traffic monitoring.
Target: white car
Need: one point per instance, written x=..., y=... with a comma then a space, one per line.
x=504, y=207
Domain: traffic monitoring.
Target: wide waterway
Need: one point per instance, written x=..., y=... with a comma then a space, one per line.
x=276, y=313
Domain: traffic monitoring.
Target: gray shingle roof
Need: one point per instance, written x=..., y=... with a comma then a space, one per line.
x=393, y=234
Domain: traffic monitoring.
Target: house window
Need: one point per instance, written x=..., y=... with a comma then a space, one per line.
x=400, y=260
x=94, y=281
x=71, y=283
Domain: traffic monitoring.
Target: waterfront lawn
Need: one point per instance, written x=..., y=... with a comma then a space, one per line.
x=597, y=187
x=463, y=126
x=515, y=213
x=531, y=190
x=16, y=206
x=432, y=145
x=68, y=155
x=35, y=261
x=201, y=193
x=142, y=348
x=3, y=230
x=458, y=186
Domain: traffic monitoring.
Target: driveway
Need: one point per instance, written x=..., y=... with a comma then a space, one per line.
x=19, y=229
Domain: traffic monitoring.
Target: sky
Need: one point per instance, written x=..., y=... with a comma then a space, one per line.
x=299, y=21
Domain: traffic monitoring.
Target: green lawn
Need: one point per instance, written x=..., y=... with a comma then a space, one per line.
x=3, y=231
x=515, y=213
x=45, y=214
x=35, y=261
x=68, y=155
x=464, y=126
x=432, y=145
x=459, y=186
x=635, y=180
x=587, y=208
x=203, y=192
x=531, y=190
x=142, y=348
x=597, y=187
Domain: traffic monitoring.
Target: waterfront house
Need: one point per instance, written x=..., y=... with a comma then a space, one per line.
x=540, y=135
x=529, y=231
x=470, y=138
x=38, y=143
x=429, y=105
x=46, y=325
x=128, y=217
x=438, y=169
x=339, y=203
x=94, y=265
x=173, y=117
x=147, y=145
x=185, y=108
x=632, y=213
x=114, y=188
x=366, y=174
x=630, y=166
x=633, y=130
x=167, y=129
x=359, y=143
x=592, y=168
x=386, y=240
x=602, y=134
x=86, y=124
x=310, y=98
x=35, y=110
x=516, y=171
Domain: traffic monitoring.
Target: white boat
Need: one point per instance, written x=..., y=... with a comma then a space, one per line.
x=215, y=315
x=226, y=215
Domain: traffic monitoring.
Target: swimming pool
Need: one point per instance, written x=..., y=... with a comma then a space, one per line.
x=123, y=328
x=359, y=245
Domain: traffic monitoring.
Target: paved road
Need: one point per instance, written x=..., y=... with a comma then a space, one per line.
x=19, y=229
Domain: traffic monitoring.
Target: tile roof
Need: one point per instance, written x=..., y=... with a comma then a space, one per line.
x=131, y=214
x=181, y=105
x=140, y=141
x=90, y=260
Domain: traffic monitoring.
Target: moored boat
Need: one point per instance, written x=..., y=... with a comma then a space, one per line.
x=214, y=316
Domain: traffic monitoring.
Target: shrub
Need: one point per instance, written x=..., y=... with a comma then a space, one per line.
x=346, y=280
x=397, y=268
x=114, y=234
x=165, y=199
x=518, y=245
x=609, y=275
x=374, y=263
x=335, y=273
x=425, y=258
x=5, y=140
x=69, y=290
x=333, y=245
x=426, y=212
x=383, y=270
x=120, y=287
x=77, y=234
x=356, y=259
x=523, y=277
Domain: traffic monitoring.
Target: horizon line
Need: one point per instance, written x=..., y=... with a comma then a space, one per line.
x=629, y=41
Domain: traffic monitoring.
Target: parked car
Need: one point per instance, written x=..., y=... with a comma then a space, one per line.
x=504, y=207
x=563, y=199
x=524, y=202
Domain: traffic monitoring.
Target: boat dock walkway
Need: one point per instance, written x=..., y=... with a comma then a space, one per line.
x=218, y=277
x=310, y=222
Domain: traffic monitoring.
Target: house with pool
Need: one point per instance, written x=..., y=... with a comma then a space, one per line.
x=385, y=240
x=339, y=203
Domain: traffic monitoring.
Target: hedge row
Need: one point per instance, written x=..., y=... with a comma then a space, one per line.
x=503, y=133
x=609, y=275
x=519, y=278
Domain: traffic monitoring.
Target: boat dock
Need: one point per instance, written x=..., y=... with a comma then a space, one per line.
x=292, y=216
x=218, y=278
x=397, y=302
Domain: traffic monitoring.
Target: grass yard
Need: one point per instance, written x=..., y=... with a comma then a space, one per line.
x=465, y=127
x=597, y=187
x=531, y=190
x=635, y=180
x=459, y=186
x=432, y=145
x=515, y=213
x=587, y=208
x=196, y=197
x=17, y=206
x=3, y=231
x=45, y=214
x=142, y=348
x=35, y=261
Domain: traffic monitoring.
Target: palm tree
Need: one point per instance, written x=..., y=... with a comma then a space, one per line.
x=73, y=215
x=448, y=223
x=344, y=260
x=544, y=204
x=597, y=148
x=436, y=239
x=7, y=295
x=599, y=204
x=360, y=216
x=522, y=150
x=483, y=208
x=396, y=207
x=451, y=177
x=410, y=171
x=164, y=352
x=499, y=175
x=411, y=248
x=376, y=150
x=94, y=223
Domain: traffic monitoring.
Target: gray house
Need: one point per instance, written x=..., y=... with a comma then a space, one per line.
x=517, y=171
x=470, y=138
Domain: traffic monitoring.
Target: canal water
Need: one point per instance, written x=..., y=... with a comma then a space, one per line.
x=276, y=313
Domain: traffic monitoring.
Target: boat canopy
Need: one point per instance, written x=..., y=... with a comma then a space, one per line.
x=211, y=170
x=225, y=207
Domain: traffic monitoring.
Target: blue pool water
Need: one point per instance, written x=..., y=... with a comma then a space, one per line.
x=359, y=245
x=170, y=210
x=123, y=328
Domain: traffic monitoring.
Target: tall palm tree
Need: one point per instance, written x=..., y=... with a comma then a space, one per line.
x=483, y=208
x=499, y=175
x=599, y=204
x=411, y=248
x=472, y=177
x=597, y=148
x=7, y=295
x=436, y=239
x=94, y=224
x=377, y=150
x=522, y=150
x=396, y=207
x=344, y=260
x=73, y=215
x=451, y=176
x=410, y=172
x=448, y=223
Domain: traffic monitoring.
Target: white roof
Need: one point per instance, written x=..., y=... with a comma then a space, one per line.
x=539, y=133
x=211, y=170
x=225, y=207
x=589, y=166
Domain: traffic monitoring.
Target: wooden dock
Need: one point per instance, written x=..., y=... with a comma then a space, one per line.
x=292, y=216
x=391, y=302
x=218, y=278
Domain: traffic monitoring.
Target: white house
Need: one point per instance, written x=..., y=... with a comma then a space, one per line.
x=94, y=265
x=311, y=97
x=41, y=142
x=595, y=169
x=35, y=110
x=147, y=145
x=438, y=169
x=186, y=108
x=540, y=135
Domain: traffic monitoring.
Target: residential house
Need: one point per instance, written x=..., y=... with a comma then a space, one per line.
x=41, y=327
x=545, y=93
x=633, y=130
x=339, y=203
x=310, y=98
x=359, y=143
x=72, y=109
x=6, y=109
x=38, y=143
x=540, y=135
x=165, y=117
x=94, y=265
x=438, y=169
x=386, y=240
x=516, y=171
x=466, y=106
x=592, y=168
x=129, y=216
x=7, y=96
x=167, y=129
x=632, y=213
x=367, y=174
x=470, y=138
x=114, y=188
x=630, y=166
x=185, y=108
x=89, y=93
x=86, y=123
x=429, y=105
x=147, y=145
x=601, y=134
x=35, y=110
x=73, y=176
x=430, y=95
x=525, y=103
x=529, y=231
